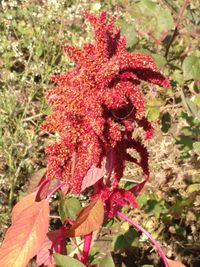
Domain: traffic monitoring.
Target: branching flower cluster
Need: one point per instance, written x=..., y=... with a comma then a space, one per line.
x=96, y=107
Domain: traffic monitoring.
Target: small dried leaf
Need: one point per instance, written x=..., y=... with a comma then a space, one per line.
x=43, y=256
x=89, y=219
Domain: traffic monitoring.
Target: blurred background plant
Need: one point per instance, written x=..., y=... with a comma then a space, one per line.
x=32, y=34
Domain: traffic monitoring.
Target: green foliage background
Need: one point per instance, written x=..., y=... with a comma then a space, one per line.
x=32, y=33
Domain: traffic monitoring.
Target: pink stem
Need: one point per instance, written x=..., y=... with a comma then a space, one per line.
x=40, y=186
x=55, y=189
x=86, y=247
x=141, y=229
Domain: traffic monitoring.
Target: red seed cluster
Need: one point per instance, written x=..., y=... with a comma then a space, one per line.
x=97, y=105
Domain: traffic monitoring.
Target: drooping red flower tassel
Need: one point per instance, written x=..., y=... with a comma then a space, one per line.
x=97, y=105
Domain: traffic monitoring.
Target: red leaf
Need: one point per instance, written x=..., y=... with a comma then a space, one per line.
x=24, y=203
x=89, y=219
x=44, y=253
x=25, y=236
x=93, y=175
x=43, y=256
x=175, y=263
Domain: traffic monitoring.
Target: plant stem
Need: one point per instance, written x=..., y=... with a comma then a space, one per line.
x=55, y=189
x=176, y=30
x=141, y=229
x=86, y=247
x=40, y=188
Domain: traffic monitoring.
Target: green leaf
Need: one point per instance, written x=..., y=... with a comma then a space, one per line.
x=160, y=60
x=197, y=100
x=189, y=119
x=164, y=20
x=68, y=208
x=142, y=199
x=147, y=7
x=193, y=108
x=191, y=67
x=193, y=188
x=108, y=223
x=153, y=109
x=39, y=49
x=196, y=146
x=153, y=113
x=178, y=76
x=107, y=262
x=125, y=239
x=156, y=207
x=185, y=142
x=166, y=122
x=66, y=261
x=128, y=30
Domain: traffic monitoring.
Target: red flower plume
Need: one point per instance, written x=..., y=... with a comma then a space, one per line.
x=96, y=106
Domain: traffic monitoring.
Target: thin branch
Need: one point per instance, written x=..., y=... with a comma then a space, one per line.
x=33, y=117
x=141, y=229
x=176, y=30
x=55, y=189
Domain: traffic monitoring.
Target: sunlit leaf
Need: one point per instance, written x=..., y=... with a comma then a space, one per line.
x=25, y=236
x=64, y=261
x=159, y=59
x=23, y=204
x=68, y=208
x=153, y=109
x=43, y=256
x=165, y=20
x=191, y=67
x=107, y=262
x=197, y=100
x=193, y=188
x=88, y=220
x=196, y=146
x=128, y=30
x=147, y=7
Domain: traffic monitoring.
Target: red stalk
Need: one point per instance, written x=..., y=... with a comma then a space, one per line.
x=141, y=229
x=55, y=189
x=86, y=247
